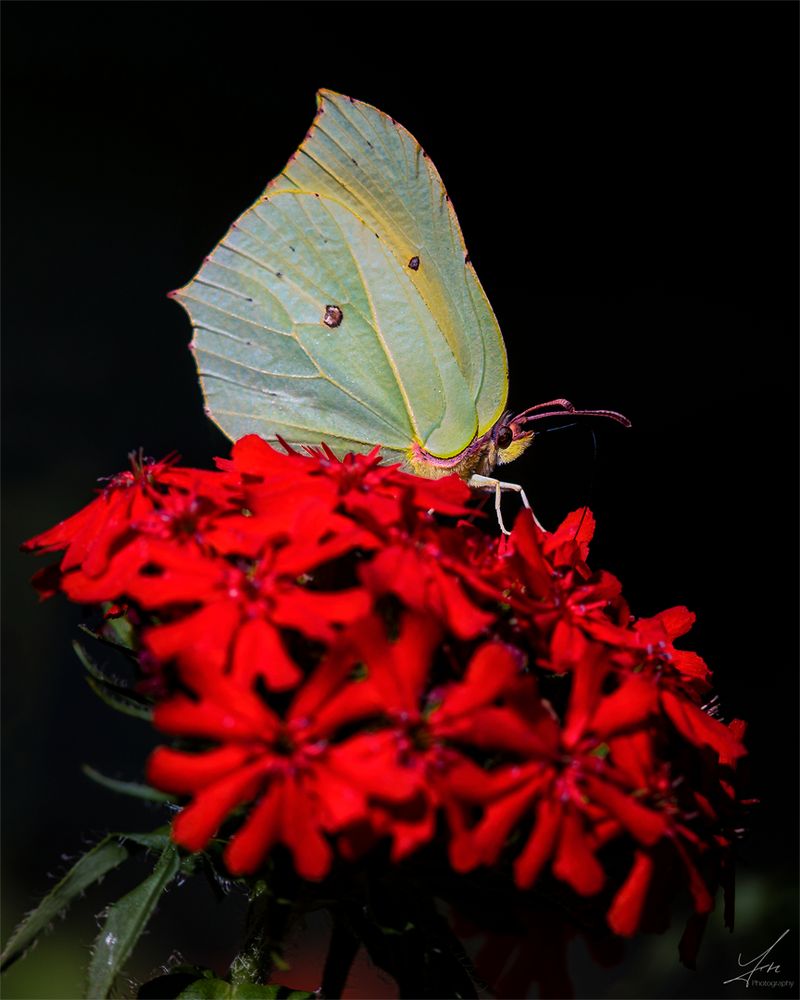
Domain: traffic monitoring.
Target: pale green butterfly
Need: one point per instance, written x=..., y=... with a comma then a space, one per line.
x=342, y=307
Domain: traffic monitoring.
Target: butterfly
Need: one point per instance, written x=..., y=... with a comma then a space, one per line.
x=343, y=307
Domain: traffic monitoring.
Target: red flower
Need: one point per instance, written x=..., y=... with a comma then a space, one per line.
x=90, y=535
x=578, y=794
x=412, y=570
x=242, y=610
x=490, y=694
x=373, y=493
x=286, y=767
x=425, y=732
x=103, y=541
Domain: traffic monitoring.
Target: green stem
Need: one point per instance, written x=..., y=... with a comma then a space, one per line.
x=267, y=923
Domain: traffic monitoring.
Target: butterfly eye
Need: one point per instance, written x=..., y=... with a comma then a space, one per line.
x=505, y=437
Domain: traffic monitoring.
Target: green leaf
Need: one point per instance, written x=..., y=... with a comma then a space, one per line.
x=132, y=788
x=218, y=989
x=119, y=628
x=89, y=664
x=92, y=866
x=122, y=703
x=112, y=693
x=156, y=840
x=125, y=922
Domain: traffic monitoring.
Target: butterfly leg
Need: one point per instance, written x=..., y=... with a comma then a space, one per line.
x=487, y=483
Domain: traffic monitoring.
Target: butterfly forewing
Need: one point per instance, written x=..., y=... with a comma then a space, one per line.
x=340, y=308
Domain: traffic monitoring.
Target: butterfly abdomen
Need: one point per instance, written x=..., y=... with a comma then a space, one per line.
x=478, y=458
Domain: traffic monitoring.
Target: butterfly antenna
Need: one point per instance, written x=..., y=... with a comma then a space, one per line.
x=563, y=407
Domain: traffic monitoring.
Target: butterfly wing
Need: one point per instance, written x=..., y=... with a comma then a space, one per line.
x=342, y=307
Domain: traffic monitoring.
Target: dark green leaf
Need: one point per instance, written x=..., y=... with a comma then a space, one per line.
x=90, y=666
x=112, y=692
x=92, y=866
x=125, y=922
x=124, y=703
x=112, y=643
x=118, y=629
x=132, y=788
x=157, y=840
x=218, y=989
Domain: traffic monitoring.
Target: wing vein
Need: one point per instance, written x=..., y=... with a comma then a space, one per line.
x=375, y=324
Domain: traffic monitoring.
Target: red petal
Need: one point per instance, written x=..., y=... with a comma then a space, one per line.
x=737, y=729
x=588, y=674
x=699, y=728
x=356, y=700
x=341, y=803
x=253, y=456
x=240, y=716
x=468, y=782
x=65, y=532
x=184, y=773
x=577, y=527
x=629, y=706
x=122, y=506
x=47, y=581
x=410, y=656
x=253, y=841
x=259, y=652
x=540, y=844
x=318, y=535
x=690, y=664
x=494, y=729
x=492, y=670
x=201, y=639
x=313, y=612
x=396, y=671
x=626, y=908
x=676, y=621
x=329, y=698
x=575, y=862
x=113, y=582
x=300, y=832
x=197, y=823
x=526, y=539
x=448, y=495
x=632, y=755
x=500, y=816
x=409, y=834
x=185, y=577
x=464, y=619
x=422, y=585
x=643, y=823
x=369, y=762
x=568, y=646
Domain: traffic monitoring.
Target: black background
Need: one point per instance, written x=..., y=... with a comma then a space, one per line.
x=625, y=178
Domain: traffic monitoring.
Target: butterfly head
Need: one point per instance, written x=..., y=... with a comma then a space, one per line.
x=511, y=435
x=510, y=438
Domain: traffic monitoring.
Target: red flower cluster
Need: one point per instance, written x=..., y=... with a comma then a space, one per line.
x=363, y=667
